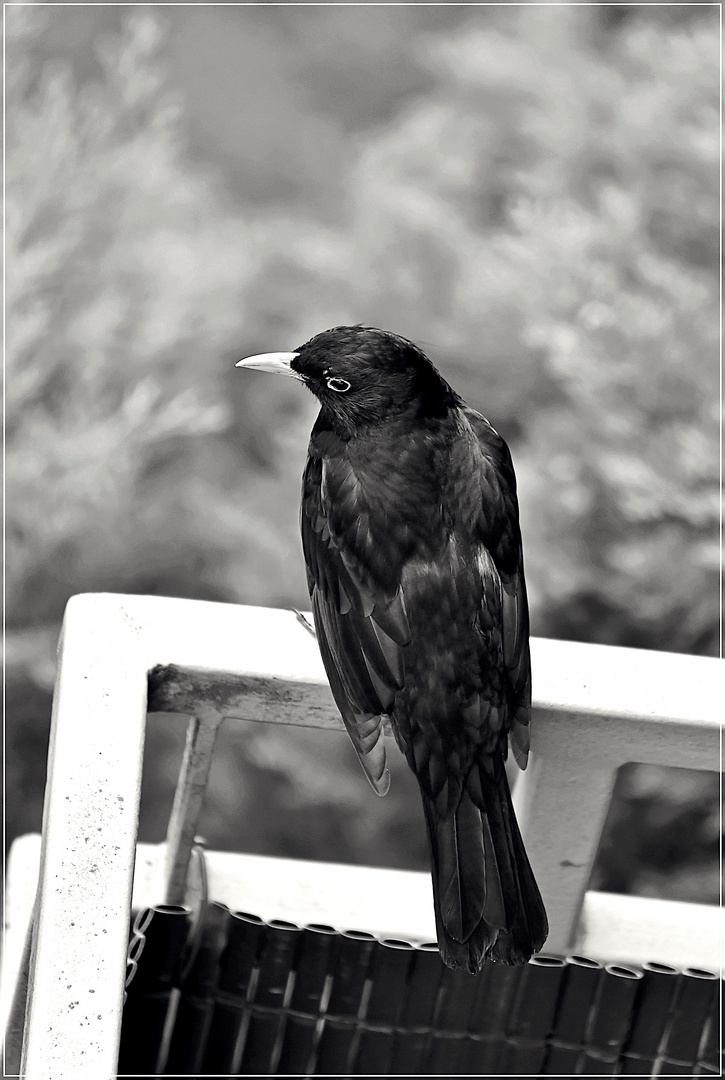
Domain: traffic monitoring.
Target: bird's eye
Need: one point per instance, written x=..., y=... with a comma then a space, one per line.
x=340, y=386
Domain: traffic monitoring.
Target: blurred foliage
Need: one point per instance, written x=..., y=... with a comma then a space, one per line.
x=678, y=806
x=122, y=276
x=531, y=193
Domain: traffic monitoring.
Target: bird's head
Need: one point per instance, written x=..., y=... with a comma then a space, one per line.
x=363, y=376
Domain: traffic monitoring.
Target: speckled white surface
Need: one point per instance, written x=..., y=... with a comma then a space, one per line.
x=389, y=903
x=597, y=708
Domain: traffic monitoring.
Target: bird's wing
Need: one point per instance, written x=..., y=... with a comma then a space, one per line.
x=502, y=572
x=362, y=629
x=517, y=658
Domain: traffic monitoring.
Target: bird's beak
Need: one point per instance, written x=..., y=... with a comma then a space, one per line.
x=276, y=362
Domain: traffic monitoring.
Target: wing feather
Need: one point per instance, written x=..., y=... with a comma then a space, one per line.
x=505, y=574
x=361, y=631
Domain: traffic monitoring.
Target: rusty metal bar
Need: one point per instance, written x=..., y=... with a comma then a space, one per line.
x=188, y=800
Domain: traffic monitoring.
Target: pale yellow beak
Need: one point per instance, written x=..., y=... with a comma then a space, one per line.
x=276, y=362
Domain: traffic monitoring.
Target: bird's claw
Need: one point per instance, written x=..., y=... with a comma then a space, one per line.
x=306, y=623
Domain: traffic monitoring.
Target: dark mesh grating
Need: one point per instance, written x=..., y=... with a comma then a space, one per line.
x=270, y=999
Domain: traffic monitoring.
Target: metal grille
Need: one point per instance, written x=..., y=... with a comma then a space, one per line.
x=235, y=995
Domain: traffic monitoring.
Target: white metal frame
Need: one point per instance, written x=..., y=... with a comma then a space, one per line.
x=596, y=708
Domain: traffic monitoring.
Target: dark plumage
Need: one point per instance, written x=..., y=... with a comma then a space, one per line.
x=411, y=538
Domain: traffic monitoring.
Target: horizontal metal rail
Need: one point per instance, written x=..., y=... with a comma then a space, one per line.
x=389, y=903
x=596, y=708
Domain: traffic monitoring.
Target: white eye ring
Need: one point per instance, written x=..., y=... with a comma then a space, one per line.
x=340, y=386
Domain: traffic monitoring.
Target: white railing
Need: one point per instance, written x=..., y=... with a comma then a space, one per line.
x=596, y=708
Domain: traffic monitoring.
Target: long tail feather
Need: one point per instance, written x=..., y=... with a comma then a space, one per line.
x=487, y=902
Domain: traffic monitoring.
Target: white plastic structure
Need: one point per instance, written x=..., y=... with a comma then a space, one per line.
x=595, y=708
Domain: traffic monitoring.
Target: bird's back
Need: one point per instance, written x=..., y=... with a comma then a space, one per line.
x=428, y=512
x=411, y=540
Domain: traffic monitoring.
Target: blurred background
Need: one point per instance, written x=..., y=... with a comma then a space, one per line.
x=531, y=193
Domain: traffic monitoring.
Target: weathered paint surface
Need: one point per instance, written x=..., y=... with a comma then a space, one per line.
x=595, y=708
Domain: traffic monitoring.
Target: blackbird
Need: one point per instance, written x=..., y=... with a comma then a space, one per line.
x=411, y=538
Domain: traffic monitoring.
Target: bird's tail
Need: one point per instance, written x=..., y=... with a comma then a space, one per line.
x=487, y=902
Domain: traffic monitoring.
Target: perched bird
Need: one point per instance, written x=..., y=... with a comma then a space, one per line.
x=411, y=539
